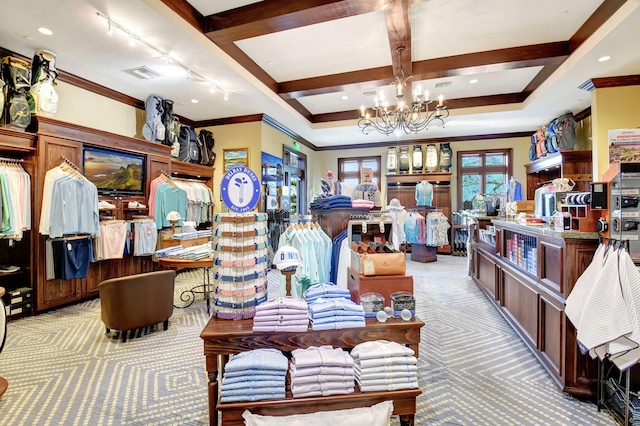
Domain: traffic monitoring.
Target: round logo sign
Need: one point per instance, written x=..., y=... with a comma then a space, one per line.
x=240, y=189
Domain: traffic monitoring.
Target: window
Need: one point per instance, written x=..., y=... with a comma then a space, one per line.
x=349, y=169
x=482, y=172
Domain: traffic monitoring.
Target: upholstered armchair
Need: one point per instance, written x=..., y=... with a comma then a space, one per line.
x=137, y=301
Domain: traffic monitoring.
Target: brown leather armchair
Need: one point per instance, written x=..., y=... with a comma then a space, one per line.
x=137, y=301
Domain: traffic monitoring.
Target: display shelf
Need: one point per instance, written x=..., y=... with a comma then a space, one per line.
x=460, y=237
x=521, y=250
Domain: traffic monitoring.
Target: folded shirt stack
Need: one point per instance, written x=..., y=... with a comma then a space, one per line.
x=321, y=371
x=254, y=375
x=166, y=252
x=282, y=314
x=327, y=291
x=335, y=313
x=381, y=365
x=362, y=204
x=332, y=202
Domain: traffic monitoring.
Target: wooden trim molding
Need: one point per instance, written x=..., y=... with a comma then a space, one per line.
x=45, y=126
x=230, y=120
x=604, y=82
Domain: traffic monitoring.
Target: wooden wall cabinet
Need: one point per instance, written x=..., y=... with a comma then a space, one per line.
x=530, y=291
x=576, y=165
x=56, y=140
x=20, y=146
x=403, y=187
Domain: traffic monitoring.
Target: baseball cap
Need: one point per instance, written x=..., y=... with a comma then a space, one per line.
x=287, y=257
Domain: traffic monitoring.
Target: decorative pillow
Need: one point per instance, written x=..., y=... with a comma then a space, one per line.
x=376, y=415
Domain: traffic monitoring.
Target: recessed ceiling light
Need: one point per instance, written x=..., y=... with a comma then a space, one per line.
x=194, y=101
x=604, y=58
x=345, y=97
x=45, y=31
x=473, y=81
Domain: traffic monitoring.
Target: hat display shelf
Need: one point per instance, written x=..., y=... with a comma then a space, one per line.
x=239, y=252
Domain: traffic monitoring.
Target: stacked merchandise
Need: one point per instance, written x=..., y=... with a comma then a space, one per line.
x=168, y=252
x=239, y=252
x=201, y=251
x=192, y=235
x=330, y=307
x=321, y=371
x=331, y=202
x=616, y=397
x=254, y=375
x=282, y=314
x=381, y=365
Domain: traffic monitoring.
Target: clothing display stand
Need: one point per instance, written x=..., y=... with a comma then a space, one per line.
x=239, y=252
x=288, y=275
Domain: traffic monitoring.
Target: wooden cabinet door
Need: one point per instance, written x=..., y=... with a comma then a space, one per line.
x=52, y=293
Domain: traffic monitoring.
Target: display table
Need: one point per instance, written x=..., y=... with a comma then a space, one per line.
x=189, y=296
x=225, y=337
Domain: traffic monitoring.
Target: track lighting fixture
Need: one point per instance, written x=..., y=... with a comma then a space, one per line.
x=133, y=38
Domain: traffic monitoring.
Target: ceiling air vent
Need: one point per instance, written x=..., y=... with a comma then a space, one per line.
x=443, y=85
x=370, y=93
x=143, y=73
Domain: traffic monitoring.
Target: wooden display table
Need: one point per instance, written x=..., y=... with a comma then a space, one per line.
x=225, y=337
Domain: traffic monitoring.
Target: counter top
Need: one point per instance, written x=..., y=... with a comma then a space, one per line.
x=546, y=230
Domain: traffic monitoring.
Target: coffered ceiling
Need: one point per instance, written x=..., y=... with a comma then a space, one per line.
x=503, y=66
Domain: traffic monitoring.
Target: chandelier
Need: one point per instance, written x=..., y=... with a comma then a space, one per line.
x=407, y=117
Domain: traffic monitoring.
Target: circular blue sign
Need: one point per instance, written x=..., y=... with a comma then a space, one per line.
x=240, y=189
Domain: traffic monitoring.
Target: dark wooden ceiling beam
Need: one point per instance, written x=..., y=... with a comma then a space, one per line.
x=452, y=104
x=270, y=16
x=472, y=63
x=595, y=21
x=399, y=33
x=187, y=12
x=354, y=80
x=490, y=60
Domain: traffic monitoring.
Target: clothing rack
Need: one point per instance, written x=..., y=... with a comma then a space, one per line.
x=11, y=160
x=202, y=180
x=367, y=216
x=71, y=163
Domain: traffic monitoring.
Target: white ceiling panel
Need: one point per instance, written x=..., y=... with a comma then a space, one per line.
x=343, y=45
x=442, y=28
x=211, y=7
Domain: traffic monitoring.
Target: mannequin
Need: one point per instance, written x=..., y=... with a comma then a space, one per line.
x=424, y=193
x=397, y=213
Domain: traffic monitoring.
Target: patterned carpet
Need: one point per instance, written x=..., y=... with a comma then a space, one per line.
x=474, y=370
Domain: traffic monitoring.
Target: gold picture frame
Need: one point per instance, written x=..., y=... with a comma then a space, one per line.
x=236, y=157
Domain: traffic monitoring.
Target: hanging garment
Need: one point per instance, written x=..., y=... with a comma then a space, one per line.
x=69, y=204
x=15, y=200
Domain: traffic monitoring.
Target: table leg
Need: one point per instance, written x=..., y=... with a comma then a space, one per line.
x=406, y=420
x=212, y=372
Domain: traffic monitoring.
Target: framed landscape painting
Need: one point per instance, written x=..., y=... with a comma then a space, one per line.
x=235, y=157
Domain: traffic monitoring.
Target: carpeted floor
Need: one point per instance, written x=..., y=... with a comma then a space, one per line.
x=474, y=370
